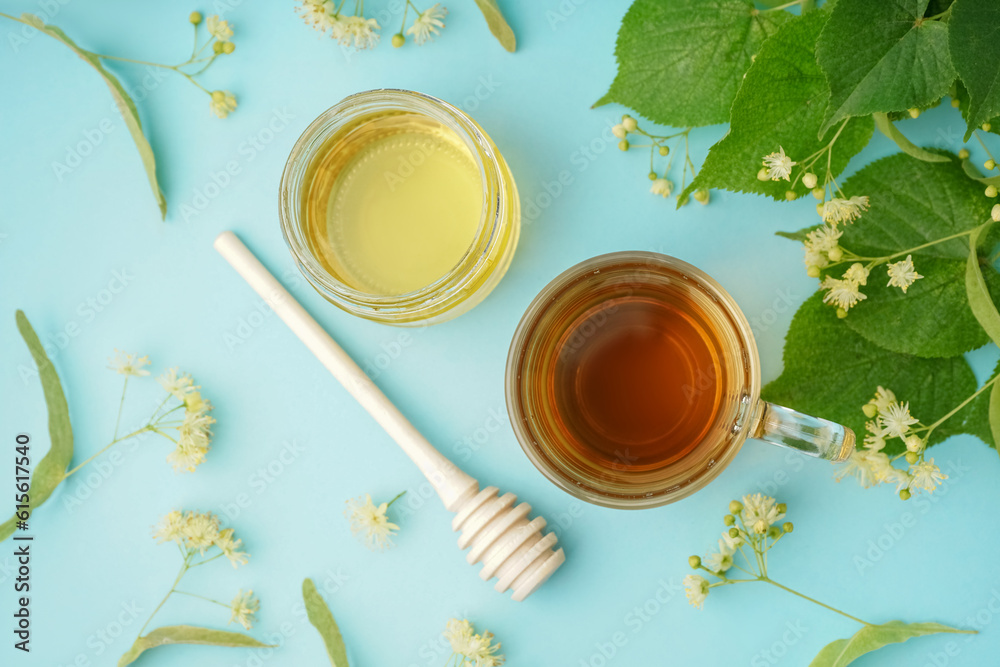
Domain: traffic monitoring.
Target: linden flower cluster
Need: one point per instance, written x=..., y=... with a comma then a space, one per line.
x=198, y=534
x=822, y=245
x=182, y=417
x=354, y=30
x=662, y=185
x=753, y=525
x=470, y=649
x=370, y=522
x=220, y=36
x=891, y=419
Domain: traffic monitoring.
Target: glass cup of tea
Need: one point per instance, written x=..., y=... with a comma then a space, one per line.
x=633, y=379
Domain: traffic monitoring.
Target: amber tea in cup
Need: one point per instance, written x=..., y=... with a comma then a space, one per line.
x=633, y=379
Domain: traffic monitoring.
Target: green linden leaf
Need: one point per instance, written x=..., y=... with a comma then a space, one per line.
x=974, y=40
x=913, y=203
x=881, y=57
x=994, y=414
x=681, y=62
x=961, y=95
x=122, y=99
x=781, y=103
x=51, y=470
x=982, y=415
x=831, y=372
x=870, y=638
x=188, y=634
x=322, y=619
x=497, y=23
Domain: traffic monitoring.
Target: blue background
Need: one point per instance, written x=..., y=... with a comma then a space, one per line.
x=65, y=236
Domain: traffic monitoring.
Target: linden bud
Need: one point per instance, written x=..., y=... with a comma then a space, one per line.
x=836, y=254
x=762, y=175
x=995, y=213
x=812, y=272
x=787, y=527
x=819, y=193
x=228, y=47
x=913, y=112
x=701, y=196
x=664, y=150
x=809, y=180
x=218, y=96
x=990, y=165
x=987, y=127
x=629, y=123
x=195, y=18
x=914, y=444
x=963, y=154
x=912, y=457
x=729, y=520
x=694, y=561
x=991, y=191
x=623, y=145
x=619, y=131
x=782, y=508
x=734, y=532
x=217, y=47
x=870, y=410
x=652, y=175
x=956, y=103
x=841, y=313
x=904, y=494
x=773, y=532
x=819, y=209
x=735, y=507
x=790, y=195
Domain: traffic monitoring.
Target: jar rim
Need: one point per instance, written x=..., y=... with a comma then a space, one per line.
x=546, y=299
x=354, y=108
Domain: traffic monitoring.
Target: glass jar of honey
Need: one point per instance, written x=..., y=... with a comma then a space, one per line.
x=398, y=208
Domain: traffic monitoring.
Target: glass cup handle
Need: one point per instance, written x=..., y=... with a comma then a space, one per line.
x=810, y=435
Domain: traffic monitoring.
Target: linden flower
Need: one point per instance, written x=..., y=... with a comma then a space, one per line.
x=858, y=465
x=897, y=419
x=902, y=274
x=428, y=24
x=223, y=103
x=883, y=399
x=857, y=274
x=170, y=528
x=370, y=522
x=722, y=560
x=221, y=30
x=229, y=547
x=475, y=650
x=200, y=531
x=321, y=16
x=926, y=476
x=778, y=165
x=696, y=590
x=128, y=364
x=760, y=512
x=243, y=607
x=662, y=187
x=842, y=293
x=358, y=30
x=839, y=210
x=177, y=385
x=823, y=239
